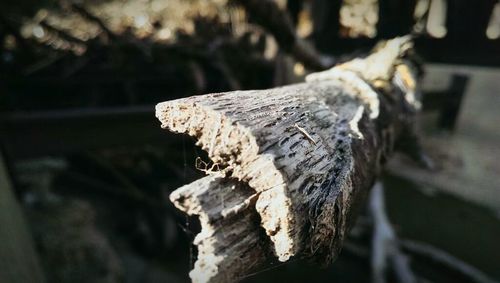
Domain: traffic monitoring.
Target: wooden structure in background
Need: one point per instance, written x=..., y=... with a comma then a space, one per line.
x=18, y=259
x=465, y=40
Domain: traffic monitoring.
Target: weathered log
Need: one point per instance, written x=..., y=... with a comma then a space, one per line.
x=305, y=156
x=226, y=215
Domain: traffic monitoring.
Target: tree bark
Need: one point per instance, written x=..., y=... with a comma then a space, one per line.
x=294, y=163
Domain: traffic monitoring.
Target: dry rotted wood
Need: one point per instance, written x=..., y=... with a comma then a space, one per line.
x=304, y=155
x=226, y=215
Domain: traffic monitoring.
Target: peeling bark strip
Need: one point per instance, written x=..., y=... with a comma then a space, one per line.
x=304, y=155
x=231, y=239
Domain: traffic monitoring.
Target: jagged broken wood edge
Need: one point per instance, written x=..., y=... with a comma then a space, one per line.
x=231, y=238
x=306, y=153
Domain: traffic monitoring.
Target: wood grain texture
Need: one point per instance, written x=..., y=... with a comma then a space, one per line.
x=225, y=211
x=307, y=152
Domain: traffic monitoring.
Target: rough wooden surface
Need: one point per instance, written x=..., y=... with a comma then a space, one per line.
x=225, y=211
x=307, y=155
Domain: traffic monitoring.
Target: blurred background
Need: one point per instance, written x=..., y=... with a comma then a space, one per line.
x=85, y=170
